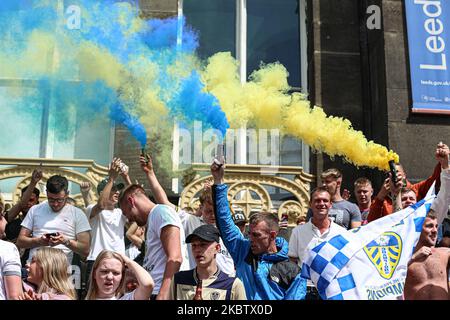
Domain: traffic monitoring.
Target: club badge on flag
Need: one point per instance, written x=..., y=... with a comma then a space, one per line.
x=369, y=262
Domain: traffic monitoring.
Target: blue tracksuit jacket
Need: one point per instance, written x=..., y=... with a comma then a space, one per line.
x=267, y=276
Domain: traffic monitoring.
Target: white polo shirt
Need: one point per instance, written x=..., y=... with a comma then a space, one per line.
x=308, y=235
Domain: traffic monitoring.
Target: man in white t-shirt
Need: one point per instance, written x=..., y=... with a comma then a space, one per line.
x=318, y=229
x=189, y=221
x=55, y=223
x=166, y=251
x=107, y=221
x=10, y=268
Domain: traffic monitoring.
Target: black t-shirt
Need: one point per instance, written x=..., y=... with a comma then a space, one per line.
x=12, y=229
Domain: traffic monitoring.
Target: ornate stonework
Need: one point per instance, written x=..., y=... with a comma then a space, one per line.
x=23, y=168
x=248, y=189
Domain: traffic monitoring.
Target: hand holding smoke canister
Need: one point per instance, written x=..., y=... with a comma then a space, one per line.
x=219, y=159
x=393, y=171
x=144, y=154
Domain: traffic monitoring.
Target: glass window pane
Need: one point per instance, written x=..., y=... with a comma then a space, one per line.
x=273, y=35
x=216, y=23
x=20, y=124
x=291, y=152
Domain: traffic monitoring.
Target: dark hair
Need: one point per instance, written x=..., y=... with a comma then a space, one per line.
x=57, y=183
x=35, y=191
x=269, y=218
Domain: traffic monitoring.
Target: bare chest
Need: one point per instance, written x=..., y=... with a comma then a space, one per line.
x=433, y=268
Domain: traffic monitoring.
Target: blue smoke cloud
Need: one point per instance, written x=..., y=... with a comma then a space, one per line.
x=112, y=27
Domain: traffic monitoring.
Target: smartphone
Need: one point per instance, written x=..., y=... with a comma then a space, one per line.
x=54, y=234
x=393, y=171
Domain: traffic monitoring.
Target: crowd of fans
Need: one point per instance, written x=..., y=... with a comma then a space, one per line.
x=128, y=246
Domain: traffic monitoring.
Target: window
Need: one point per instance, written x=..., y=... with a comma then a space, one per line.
x=256, y=31
x=216, y=21
x=39, y=119
x=273, y=35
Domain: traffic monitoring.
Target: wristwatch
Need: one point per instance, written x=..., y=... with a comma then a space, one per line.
x=67, y=243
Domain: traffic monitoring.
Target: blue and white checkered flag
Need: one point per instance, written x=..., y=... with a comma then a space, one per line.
x=369, y=262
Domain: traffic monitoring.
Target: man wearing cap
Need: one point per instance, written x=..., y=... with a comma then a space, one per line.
x=214, y=283
x=107, y=221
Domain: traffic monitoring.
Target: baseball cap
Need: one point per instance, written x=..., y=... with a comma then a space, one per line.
x=239, y=218
x=102, y=184
x=206, y=232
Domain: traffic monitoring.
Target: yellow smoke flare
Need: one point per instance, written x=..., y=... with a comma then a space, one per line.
x=264, y=103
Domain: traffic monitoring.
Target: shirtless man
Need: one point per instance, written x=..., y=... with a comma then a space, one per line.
x=428, y=269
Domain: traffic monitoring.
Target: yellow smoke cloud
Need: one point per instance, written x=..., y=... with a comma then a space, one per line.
x=263, y=102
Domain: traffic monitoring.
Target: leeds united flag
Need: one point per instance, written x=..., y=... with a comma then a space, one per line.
x=369, y=262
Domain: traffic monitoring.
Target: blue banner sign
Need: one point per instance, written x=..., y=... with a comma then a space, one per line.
x=428, y=23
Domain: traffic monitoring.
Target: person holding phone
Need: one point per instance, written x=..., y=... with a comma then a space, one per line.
x=55, y=216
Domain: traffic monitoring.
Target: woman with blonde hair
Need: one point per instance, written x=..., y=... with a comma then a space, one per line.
x=48, y=276
x=108, y=276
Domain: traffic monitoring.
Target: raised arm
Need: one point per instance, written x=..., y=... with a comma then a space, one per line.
x=441, y=203
x=22, y=204
x=104, y=197
x=232, y=237
x=396, y=192
x=158, y=191
x=124, y=172
x=132, y=236
x=170, y=239
x=422, y=187
x=85, y=188
x=145, y=280
x=376, y=208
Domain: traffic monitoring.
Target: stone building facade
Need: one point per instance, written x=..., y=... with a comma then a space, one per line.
x=354, y=72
